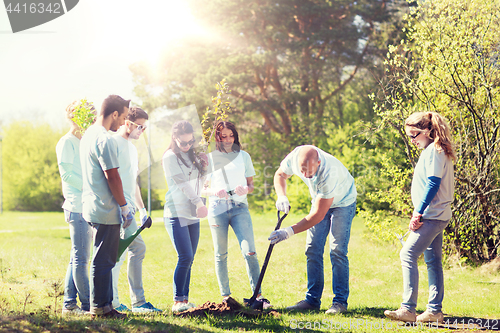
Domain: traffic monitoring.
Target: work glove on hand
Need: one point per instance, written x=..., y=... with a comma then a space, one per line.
x=280, y=235
x=282, y=204
x=127, y=216
x=241, y=190
x=144, y=215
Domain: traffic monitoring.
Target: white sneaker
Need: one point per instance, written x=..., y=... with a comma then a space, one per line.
x=336, y=308
x=180, y=307
x=75, y=311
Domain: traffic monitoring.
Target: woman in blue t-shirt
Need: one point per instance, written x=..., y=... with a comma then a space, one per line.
x=432, y=194
x=183, y=206
x=229, y=181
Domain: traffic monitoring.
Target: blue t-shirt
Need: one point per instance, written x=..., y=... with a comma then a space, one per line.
x=68, y=161
x=332, y=179
x=434, y=163
x=98, y=153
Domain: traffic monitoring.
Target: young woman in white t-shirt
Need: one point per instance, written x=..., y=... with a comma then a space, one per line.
x=229, y=181
x=432, y=194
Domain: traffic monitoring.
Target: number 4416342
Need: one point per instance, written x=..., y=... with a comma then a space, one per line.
x=25, y=8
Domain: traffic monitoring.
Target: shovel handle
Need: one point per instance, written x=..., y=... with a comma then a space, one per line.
x=266, y=260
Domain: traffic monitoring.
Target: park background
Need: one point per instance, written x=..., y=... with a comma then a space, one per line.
x=342, y=75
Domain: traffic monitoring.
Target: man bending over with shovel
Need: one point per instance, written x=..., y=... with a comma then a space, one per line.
x=333, y=207
x=134, y=126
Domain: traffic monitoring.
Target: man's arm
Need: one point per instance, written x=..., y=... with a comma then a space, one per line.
x=138, y=198
x=318, y=212
x=115, y=185
x=280, y=182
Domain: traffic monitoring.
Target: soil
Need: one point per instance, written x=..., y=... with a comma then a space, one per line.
x=227, y=307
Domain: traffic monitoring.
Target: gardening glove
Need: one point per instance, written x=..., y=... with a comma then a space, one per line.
x=283, y=205
x=280, y=235
x=144, y=215
x=127, y=216
x=241, y=190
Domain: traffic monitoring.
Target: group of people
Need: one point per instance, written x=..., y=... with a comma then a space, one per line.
x=99, y=184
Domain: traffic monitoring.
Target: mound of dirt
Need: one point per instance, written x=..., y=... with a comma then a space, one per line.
x=228, y=307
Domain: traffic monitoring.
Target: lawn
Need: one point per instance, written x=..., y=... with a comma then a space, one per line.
x=34, y=252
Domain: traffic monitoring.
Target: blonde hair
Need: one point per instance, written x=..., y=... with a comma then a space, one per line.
x=438, y=130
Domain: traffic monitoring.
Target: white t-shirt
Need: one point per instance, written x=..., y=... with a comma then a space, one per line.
x=332, y=179
x=434, y=163
x=236, y=165
x=177, y=204
x=68, y=153
x=129, y=166
x=98, y=152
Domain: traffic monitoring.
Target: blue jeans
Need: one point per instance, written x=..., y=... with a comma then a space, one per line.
x=337, y=223
x=184, y=236
x=76, y=281
x=136, y=253
x=106, y=240
x=238, y=217
x=428, y=239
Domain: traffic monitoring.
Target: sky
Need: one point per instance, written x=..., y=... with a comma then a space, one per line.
x=85, y=53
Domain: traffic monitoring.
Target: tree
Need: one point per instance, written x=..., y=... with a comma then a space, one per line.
x=284, y=59
x=31, y=177
x=449, y=64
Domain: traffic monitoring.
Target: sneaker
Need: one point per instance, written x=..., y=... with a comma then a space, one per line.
x=74, y=311
x=146, y=307
x=401, y=314
x=113, y=314
x=302, y=305
x=191, y=305
x=180, y=307
x=122, y=308
x=430, y=317
x=336, y=308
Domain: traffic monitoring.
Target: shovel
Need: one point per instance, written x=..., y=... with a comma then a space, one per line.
x=253, y=302
x=124, y=243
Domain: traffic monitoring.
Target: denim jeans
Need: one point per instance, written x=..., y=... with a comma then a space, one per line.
x=76, y=281
x=184, y=236
x=428, y=239
x=337, y=223
x=136, y=253
x=238, y=217
x=106, y=240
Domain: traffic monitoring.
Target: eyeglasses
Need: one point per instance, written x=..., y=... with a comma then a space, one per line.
x=413, y=137
x=139, y=127
x=184, y=143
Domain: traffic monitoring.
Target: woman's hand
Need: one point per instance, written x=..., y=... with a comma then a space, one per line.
x=222, y=193
x=204, y=159
x=241, y=190
x=202, y=212
x=415, y=222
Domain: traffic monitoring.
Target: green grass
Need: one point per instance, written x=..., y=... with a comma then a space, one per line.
x=34, y=251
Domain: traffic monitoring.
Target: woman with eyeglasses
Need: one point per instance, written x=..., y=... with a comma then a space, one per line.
x=431, y=193
x=229, y=181
x=183, y=206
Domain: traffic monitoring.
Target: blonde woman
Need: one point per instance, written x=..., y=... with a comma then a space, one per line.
x=432, y=193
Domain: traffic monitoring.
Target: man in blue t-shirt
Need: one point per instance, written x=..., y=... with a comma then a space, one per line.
x=104, y=205
x=333, y=194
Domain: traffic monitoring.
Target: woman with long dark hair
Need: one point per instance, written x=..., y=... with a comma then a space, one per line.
x=231, y=178
x=183, y=206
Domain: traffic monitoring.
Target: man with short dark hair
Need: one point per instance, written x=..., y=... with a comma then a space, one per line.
x=104, y=205
x=135, y=124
